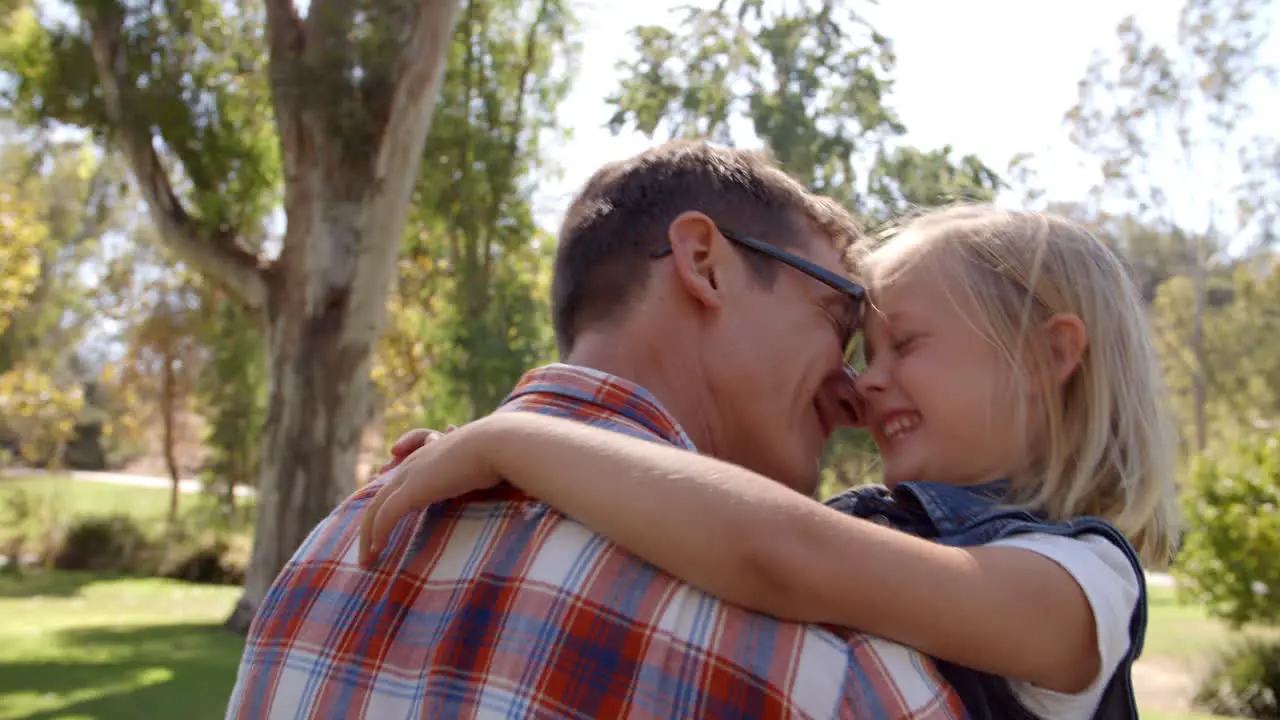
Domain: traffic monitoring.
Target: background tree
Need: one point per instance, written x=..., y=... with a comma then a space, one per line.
x=232, y=394
x=1170, y=128
x=469, y=313
x=19, y=255
x=216, y=106
x=157, y=303
x=35, y=418
x=60, y=199
x=811, y=81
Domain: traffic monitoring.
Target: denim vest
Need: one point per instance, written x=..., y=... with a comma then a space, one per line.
x=969, y=516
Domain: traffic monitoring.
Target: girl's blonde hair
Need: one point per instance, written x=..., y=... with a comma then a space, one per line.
x=1108, y=449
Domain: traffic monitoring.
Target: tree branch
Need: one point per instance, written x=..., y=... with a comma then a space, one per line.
x=214, y=253
x=328, y=23
x=286, y=39
x=507, y=179
x=285, y=33
x=418, y=72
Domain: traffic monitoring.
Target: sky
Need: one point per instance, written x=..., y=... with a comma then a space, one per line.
x=990, y=77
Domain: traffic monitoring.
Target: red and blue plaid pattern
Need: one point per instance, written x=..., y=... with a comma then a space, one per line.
x=499, y=606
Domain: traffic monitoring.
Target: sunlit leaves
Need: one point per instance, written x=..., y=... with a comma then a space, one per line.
x=20, y=237
x=198, y=73
x=811, y=81
x=469, y=313
x=1173, y=131
x=39, y=411
x=1231, y=564
x=231, y=391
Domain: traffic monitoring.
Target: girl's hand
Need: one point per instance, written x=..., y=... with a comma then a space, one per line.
x=438, y=467
x=406, y=444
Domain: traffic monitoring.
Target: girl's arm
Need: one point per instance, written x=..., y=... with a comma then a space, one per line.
x=754, y=542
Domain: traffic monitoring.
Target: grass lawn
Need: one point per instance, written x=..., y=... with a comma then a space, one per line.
x=73, y=645
x=1184, y=632
x=35, y=505
x=69, y=498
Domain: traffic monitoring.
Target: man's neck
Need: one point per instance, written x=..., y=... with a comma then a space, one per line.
x=676, y=383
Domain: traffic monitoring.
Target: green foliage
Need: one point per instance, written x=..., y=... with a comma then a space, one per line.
x=18, y=510
x=232, y=396
x=470, y=314
x=1177, y=141
x=1244, y=336
x=75, y=195
x=812, y=81
x=1230, y=559
x=1245, y=682
x=201, y=85
x=38, y=412
x=106, y=543
x=850, y=459
x=20, y=237
x=78, y=194
x=1238, y=359
x=205, y=557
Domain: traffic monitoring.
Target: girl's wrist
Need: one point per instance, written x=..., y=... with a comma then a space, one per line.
x=485, y=442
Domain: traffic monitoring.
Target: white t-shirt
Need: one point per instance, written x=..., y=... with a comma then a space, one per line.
x=1108, y=581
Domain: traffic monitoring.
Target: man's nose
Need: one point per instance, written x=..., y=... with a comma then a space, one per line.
x=842, y=402
x=873, y=379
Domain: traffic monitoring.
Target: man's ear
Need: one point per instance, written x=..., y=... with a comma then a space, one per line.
x=1068, y=340
x=697, y=251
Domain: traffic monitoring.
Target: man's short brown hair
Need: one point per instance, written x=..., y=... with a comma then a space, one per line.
x=623, y=213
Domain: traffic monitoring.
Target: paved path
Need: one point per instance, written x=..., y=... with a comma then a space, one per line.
x=189, y=485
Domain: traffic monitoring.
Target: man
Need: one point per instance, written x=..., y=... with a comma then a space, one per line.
x=698, y=300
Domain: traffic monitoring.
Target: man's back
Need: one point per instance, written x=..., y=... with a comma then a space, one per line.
x=501, y=606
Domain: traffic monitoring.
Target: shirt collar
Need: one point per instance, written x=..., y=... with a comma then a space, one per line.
x=602, y=393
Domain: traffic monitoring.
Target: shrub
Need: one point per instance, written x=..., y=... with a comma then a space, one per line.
x=108, y=543
x=1245, y=682
x=30, y=526
x=213, y=558
x=1230, y=558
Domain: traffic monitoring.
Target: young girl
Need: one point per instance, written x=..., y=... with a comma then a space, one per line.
x=1013, y=393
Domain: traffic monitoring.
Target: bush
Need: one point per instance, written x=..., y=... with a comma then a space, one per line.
x=1230, y=558
x=30, y=526
x=216, y=559
x=1245, y=682
x=108, y=543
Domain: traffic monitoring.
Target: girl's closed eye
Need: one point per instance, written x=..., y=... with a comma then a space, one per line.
x=904, y=343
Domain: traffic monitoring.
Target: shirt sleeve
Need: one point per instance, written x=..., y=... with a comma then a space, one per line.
x=1107, y=578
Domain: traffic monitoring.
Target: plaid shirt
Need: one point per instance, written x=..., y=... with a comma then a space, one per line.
x=499, y=606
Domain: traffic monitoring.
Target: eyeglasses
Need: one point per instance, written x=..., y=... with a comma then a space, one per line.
x=850, y=289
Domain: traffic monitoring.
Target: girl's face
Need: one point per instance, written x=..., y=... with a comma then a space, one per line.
x=939, y=401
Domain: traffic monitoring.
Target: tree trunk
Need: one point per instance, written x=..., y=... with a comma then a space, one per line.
x=1199, y=391
x=319, y=399
x=168, y=418
x=229, y=496
x=350, y=151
